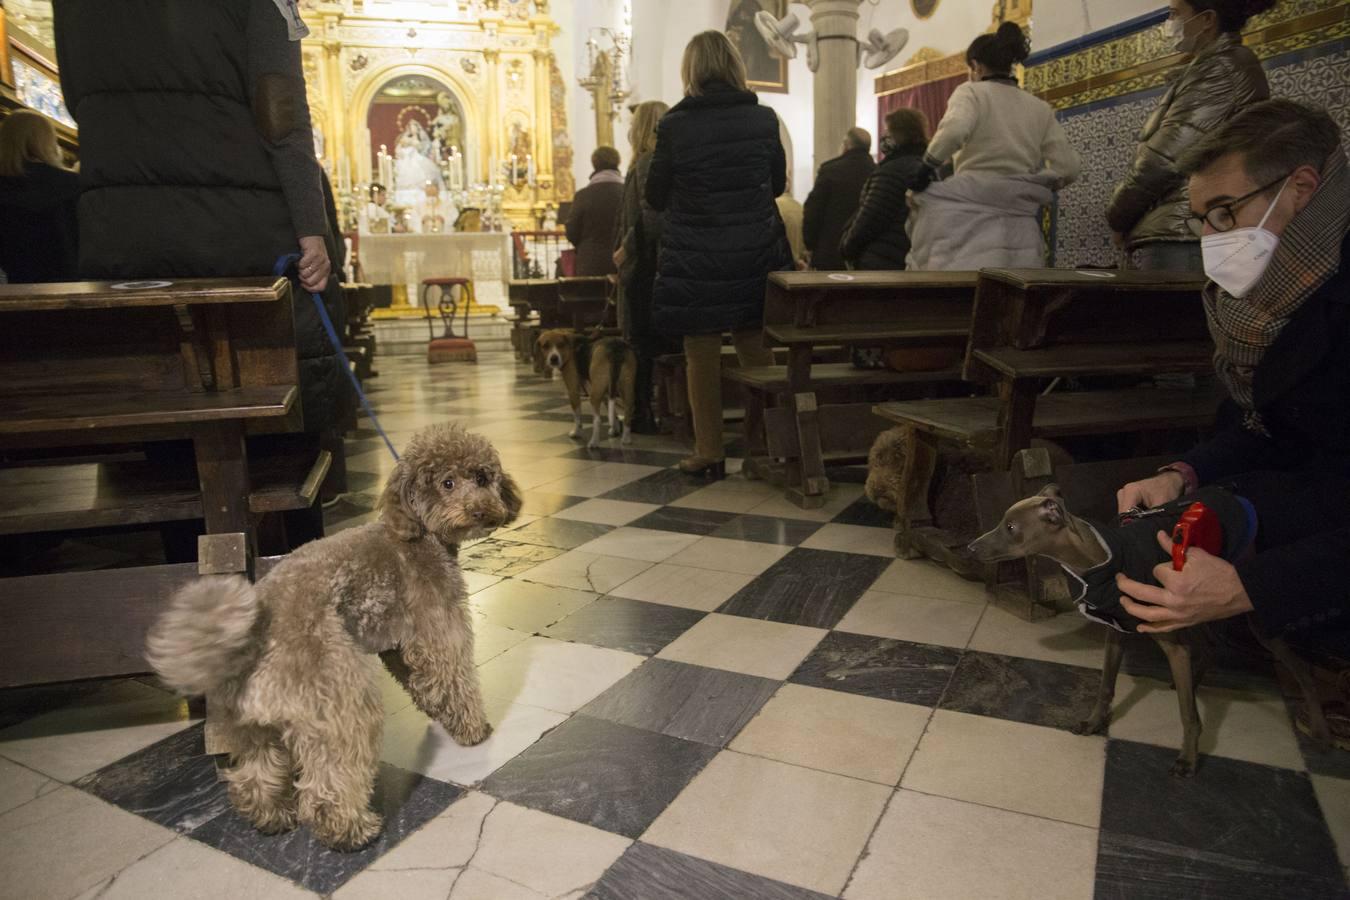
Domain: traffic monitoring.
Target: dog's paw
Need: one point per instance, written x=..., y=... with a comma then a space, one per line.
x=1182, y=768
x=468, y=737
x=348, y=833
x=1088, y=726
x=575, y=432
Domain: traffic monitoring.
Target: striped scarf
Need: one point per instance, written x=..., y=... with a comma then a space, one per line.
x=1308, y=254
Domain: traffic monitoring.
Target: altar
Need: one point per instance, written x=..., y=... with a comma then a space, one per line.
x=405, y=259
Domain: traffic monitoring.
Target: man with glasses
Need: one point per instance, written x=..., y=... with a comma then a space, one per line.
x=1270, y=202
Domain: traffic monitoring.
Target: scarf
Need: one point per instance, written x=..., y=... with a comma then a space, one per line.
x=606, y=176
x=1308, y=254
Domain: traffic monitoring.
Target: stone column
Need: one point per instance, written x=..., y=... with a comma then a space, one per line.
x=835, y=23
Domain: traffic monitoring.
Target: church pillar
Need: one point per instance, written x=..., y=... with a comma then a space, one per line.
x=835, y=23
x=492, y=117
x=338, y=136
x=543, y=120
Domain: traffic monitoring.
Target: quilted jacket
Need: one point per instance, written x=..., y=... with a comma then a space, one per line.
x=1151, y=203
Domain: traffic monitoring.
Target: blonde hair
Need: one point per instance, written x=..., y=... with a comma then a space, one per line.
x=711, y=57
x=642, y=130
x=27, y=136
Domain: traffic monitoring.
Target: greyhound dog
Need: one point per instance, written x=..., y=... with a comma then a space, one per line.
x=1042, y=524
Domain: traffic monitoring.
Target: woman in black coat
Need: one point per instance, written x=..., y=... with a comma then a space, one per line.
x=875, y=237
x=717, y=168
x=38, y=231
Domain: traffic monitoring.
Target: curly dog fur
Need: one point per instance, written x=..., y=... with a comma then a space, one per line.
x=290, y=660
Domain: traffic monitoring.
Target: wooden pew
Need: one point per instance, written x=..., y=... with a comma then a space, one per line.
x=1031, y=327
x=583, y=300
x=538, y=308
x=92, y=364
x=805, y=311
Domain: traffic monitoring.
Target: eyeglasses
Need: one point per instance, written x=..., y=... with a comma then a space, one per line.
x=1221, y=217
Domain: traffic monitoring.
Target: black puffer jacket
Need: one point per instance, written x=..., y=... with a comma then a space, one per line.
x=1151, y=203
x=875, y=237
x=717, y=168
x=178, y=180
x=39, y=238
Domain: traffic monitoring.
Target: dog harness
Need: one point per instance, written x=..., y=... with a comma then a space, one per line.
x=1133, y=549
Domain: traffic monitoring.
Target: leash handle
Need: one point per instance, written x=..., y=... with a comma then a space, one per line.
x=284, y=264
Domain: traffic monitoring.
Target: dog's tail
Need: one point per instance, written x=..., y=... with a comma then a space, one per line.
x=205, y=637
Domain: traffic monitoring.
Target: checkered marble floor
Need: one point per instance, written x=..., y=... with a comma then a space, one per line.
x=700, y=690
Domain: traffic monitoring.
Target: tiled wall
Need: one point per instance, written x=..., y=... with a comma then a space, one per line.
x=1105, y=90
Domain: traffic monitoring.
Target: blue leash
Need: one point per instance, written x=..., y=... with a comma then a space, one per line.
x=284, y=263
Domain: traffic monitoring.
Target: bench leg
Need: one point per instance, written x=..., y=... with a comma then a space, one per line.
x=1014, y=421
x=230, y=542
x=921, y=455
x=809, y=492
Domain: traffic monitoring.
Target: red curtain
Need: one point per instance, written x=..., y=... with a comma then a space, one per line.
x=930, y=99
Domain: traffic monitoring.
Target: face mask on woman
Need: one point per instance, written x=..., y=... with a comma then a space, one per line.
x=1174, y=30
x=1235, y=260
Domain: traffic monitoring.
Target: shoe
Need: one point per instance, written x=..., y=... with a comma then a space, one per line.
x=701, y=465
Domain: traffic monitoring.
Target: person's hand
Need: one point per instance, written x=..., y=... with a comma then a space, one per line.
x=1161, y=488
x=619, y=257
x=314, y=265
x=802, y=265
x=1118, y=239
x=1207, y=588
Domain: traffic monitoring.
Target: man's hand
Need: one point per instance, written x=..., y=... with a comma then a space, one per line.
x=1207, y=588
x=314, y=265
x=619, y=257
x=1161, y=488
x=1118, y=239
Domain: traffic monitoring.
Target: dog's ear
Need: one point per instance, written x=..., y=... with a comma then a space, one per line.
x=1051, y=510
x=511, y=499
x=396, y=504
x=1050, y=490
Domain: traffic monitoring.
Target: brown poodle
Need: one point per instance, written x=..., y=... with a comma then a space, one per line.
x=289, y=662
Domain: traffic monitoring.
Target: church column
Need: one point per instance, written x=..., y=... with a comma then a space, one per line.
x=543, y=121
x=492, y=118
x=836, y=80
x=339, y=137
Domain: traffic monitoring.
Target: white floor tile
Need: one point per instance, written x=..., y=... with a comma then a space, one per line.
x=528, y=606
x=923, y=620
x=555, y=675
x=701, y=589
x=723, y=555
x=639, y=543
x=853, y=539
x=750, y=646
x=606, y=512
x=587, y=571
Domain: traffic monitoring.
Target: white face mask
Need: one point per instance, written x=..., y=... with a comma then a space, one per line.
x=1175, y=31
x=1235, y=260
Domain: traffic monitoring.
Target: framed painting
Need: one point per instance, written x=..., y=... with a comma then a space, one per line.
x=766, y=72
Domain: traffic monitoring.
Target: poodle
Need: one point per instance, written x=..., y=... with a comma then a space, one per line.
x=289, y=662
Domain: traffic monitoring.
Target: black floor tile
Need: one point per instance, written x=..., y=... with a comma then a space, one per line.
x=600, y=773
x=648, y=872
x=623, y=454
x=1230, y=808
x=767, y=530
x=807, y=587
x=659, y=487
x=1022, y=690
x=538, y=503
x=879, y=667
x=1137, y=868
x=702, y=522
x=1328, y=761
x=710, y=706
x=505, y=558
x=172, y=783
x=864, y=512
x=1231, y=667
x=406, y=800
x=565, y=534
x=621, y=624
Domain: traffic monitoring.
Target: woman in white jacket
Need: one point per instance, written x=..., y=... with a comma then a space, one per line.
x=1010, y=155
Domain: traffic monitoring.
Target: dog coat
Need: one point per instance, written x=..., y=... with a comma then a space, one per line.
x=1133, y=549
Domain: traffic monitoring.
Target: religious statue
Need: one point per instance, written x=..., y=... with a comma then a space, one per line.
x=447, y=127
x=413, y=164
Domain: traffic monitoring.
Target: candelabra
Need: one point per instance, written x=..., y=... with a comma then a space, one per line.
x=606, y=80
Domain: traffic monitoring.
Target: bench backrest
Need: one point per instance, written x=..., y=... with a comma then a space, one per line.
x=809, y=299
x=1032, y=308
x=189, y=336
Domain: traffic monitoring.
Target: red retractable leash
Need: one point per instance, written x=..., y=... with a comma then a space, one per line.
x=1197, y=527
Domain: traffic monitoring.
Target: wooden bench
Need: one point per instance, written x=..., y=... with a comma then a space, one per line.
x=583, y=300
x=807, y=310
x=537, y=308
x=92, y=365
x=1031, y=327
